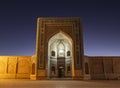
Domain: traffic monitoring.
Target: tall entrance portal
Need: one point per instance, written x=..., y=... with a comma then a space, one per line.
x=59, y=48
x=60, y=56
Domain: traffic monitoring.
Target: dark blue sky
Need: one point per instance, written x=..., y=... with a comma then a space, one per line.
x=100, y=20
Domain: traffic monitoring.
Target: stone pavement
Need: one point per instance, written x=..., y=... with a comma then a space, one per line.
x=23, y=83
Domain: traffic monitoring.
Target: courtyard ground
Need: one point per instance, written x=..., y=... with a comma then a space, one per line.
x=23, y=83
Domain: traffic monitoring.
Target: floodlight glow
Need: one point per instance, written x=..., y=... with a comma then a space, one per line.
x=61, y=51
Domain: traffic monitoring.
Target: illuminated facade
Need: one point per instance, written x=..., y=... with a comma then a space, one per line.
x=59, y=49
x=59, y=54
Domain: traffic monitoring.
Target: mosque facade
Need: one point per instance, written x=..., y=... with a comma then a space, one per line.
x=59, y=55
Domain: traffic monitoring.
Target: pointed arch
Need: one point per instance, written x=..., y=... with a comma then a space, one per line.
x=60, y=43
x=61, y=32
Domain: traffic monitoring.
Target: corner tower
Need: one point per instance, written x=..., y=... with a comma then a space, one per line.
x=59, y=48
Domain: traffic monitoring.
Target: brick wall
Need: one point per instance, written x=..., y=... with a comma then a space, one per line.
x=15, y=66
x=104, y=67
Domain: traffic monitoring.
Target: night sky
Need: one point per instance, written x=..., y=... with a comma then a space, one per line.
x=100, y=20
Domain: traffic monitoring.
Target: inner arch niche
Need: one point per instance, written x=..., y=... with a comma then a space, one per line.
x=60, y=56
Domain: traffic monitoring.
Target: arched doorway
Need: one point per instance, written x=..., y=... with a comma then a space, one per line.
x=60, y=56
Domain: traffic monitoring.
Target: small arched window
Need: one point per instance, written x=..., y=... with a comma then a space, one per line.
x=53, y=53
x=53, y=69
x=68, y=68
x=68, y=53
x=33, y=68
x=86, y=68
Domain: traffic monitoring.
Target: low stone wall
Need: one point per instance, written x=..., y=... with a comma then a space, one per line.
x=93, y=67
x=15, y=66
x=104, y=67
